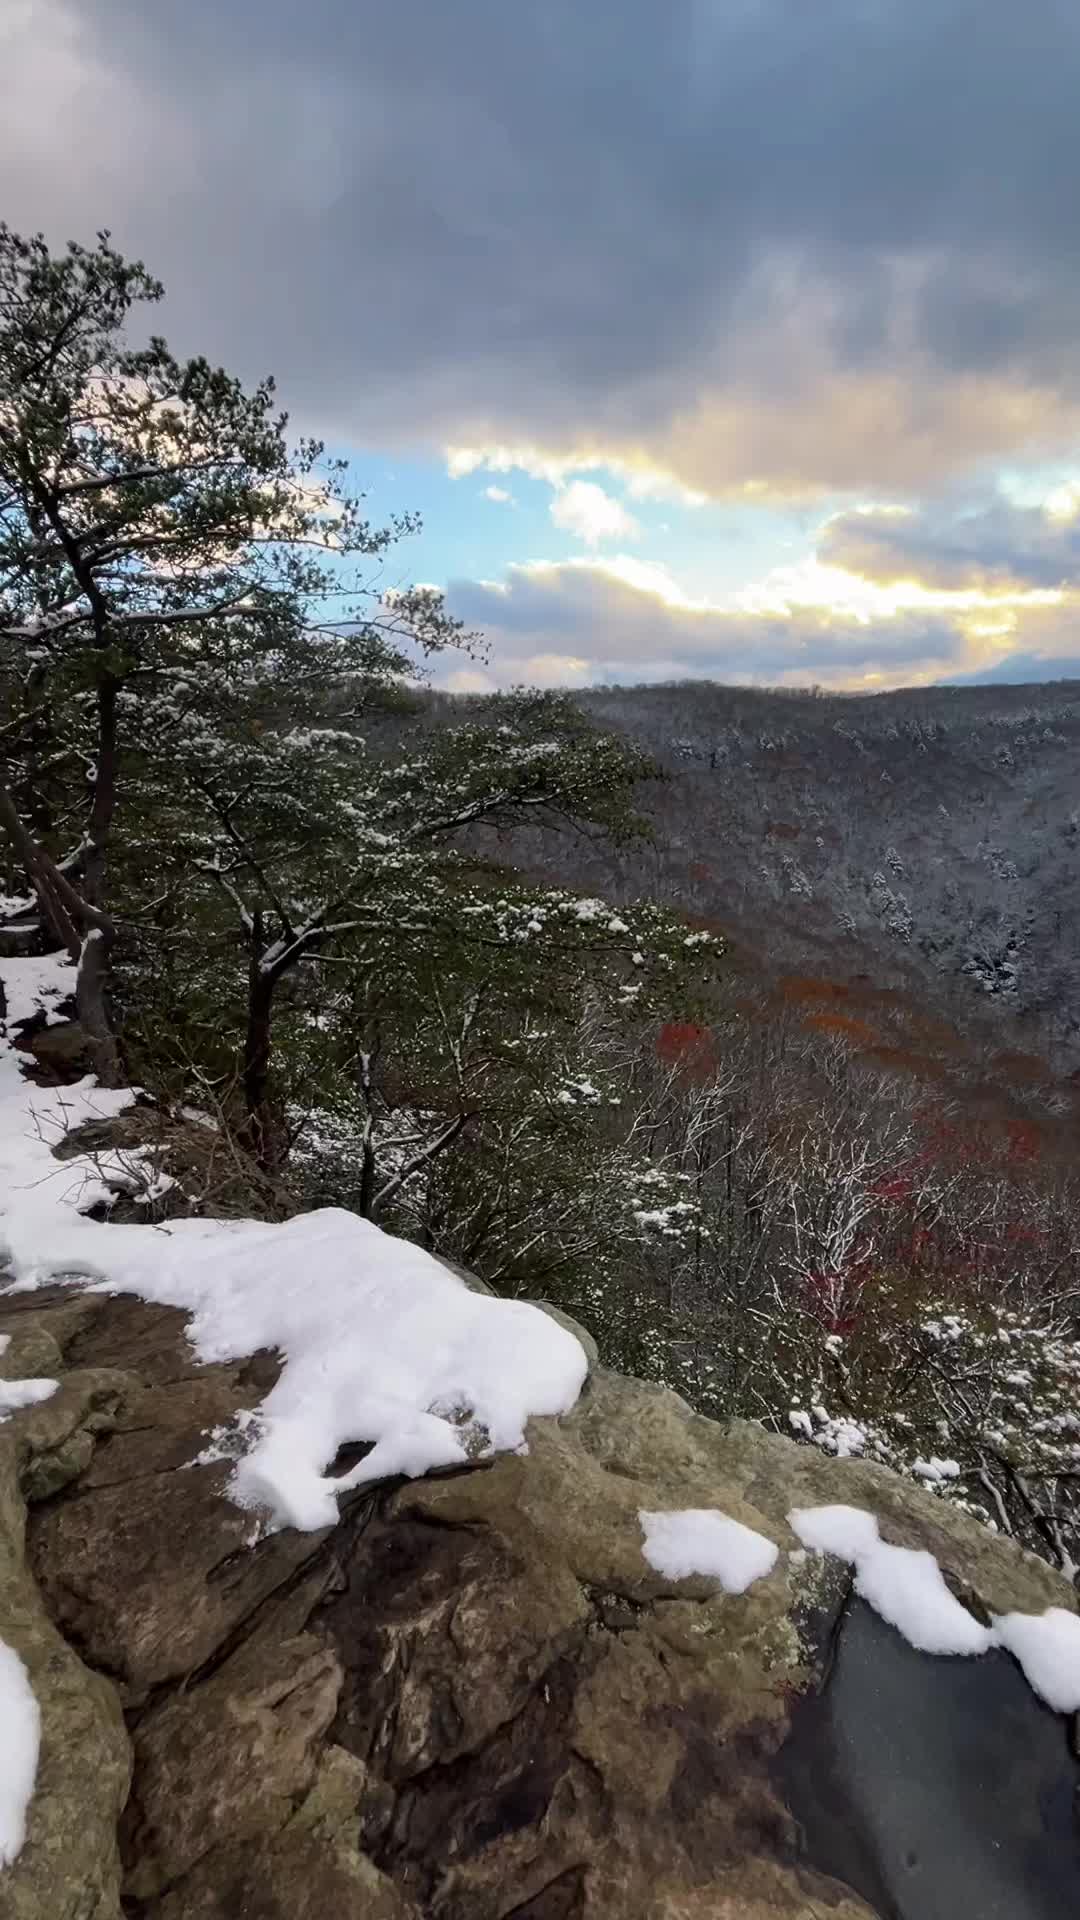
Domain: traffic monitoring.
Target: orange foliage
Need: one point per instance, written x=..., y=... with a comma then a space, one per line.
x=807, y=987
x=932, y=1033
x=845, y=1024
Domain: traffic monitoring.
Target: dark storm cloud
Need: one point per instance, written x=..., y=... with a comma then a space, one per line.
x=986, y=543
x=810, y=241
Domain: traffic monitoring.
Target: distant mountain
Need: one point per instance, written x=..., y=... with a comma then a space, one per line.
x=1021, y=669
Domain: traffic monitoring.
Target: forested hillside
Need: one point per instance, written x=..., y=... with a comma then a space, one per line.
x=928, y=837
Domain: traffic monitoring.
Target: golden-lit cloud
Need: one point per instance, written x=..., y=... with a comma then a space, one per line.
x=640, y=476
x=983, y=545
x=789, y=416
x=837, y=430
x=886, y=615
x=839, y=590
x=580, y=620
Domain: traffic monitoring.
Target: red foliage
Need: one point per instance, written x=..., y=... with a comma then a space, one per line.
x=893, y=1186
x=1025, y=1140
x=833, y=1299
x=906, y=1060
x=690, y=1048
x=1025, y=1067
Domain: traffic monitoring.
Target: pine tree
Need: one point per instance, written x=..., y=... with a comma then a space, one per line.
x=197, y=775
x=151, y=511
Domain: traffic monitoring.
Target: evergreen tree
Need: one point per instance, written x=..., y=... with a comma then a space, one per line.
x=192, y=668
x=152, y=511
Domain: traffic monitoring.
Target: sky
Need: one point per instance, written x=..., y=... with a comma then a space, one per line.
x=732, y=339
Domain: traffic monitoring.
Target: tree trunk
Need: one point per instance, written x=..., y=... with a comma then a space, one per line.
x=264, y=1130
x=103, y=805
x=367, y=1180
x=91, y=981
x=86, y=933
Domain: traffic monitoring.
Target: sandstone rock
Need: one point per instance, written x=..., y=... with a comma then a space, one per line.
x=268, y=1713
x=68, y=1868
x=58, y=1437
x=151, y=1577
x=473, y=1699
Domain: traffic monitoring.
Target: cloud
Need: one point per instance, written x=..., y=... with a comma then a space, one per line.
x=804, y=247
x=964, y=587
x=581, y=621
x=641, y=478
x=585, y=510
x=500, y=496
x=983, y=542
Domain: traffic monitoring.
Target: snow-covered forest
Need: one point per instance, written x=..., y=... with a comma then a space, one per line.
x=740, y=1025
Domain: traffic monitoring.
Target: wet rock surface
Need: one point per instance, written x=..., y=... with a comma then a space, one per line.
x=935, y=1788
x=473, y=1699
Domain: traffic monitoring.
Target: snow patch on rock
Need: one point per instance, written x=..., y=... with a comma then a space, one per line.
x=20, y=1737
x=704, y=1541
x=907, y=1588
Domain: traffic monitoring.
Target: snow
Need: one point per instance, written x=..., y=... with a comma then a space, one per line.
x=845, y=1531
x=935, y=1470
x=704, y=1541
x=15, y=1394
x=381, y=1343
x=1047, y=1647
x=907, y=1588
x=21, y=1721
x=840, y=1436
x=33, y=984
x=903, y=1584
